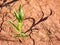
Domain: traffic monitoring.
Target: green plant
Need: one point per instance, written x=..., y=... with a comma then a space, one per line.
x=19, y=17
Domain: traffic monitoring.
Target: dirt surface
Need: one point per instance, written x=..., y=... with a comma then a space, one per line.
x=41, y=22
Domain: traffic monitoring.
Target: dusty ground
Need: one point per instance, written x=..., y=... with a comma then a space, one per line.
x=41, y=23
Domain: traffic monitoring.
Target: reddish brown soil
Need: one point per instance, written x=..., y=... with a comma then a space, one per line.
x=41, y=22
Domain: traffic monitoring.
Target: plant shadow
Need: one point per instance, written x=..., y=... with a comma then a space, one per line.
x=8, y=3
x=34, y=24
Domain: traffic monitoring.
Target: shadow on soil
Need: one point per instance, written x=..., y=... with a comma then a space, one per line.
x=2, y=21
x=8, y=3
x=34, y=24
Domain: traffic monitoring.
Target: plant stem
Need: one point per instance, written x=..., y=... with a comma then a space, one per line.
x=20, y=26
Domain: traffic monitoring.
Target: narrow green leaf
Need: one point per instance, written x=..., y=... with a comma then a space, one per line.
x=19, y=27
x=23, y=34
x=14, y=25
x=17, y=16
x=21, y=15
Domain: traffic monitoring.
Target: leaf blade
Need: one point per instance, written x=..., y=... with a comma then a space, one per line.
x=17, y=16
x=14, y=25
x=21, y=15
